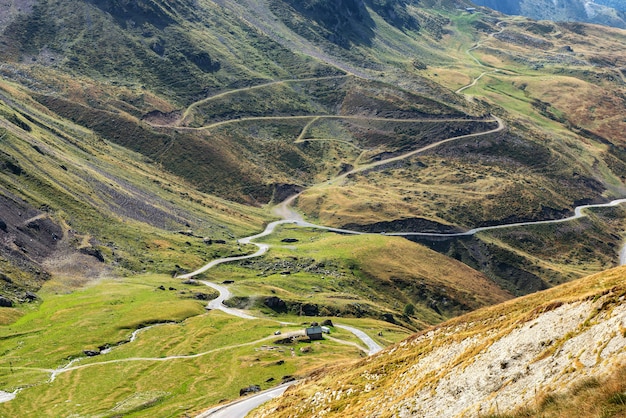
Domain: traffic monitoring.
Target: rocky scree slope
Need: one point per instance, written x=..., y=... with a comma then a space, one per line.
x=495, y=360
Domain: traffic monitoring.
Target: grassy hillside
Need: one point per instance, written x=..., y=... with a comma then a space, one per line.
x=253, y=101
x=128, y=129
x=328, y=274
x=529, y=353
x=556, y=152
x=79, y=207
x=181, y=360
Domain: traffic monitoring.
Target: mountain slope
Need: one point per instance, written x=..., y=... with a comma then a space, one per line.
x=494, y=360
x=129, y=128
x=80, y=207
x=253, y=101
x=599, y=12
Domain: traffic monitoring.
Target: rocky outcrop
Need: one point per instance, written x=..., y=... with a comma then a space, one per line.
x=94, y=252
x=275, y=303
x=30, y=296
x=249, y=389
x=5, y=302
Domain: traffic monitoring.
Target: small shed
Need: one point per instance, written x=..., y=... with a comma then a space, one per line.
x=314, y=333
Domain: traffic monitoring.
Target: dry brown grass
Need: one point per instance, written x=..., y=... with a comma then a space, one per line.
x=388, y=273
x=597, y=108
x=590, y=398
x=399, y=260
x=434, y=189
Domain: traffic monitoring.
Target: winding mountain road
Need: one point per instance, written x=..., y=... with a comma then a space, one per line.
x=372, y=345
x=240, y=408
x=476, y=80
x=194, y=105
x=317, y=117
x=501, y=126
x=578, y=213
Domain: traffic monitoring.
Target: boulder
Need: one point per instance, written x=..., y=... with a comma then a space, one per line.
x=30, y=296
x=5, y=302
x=275, y=303
x=288, y=378
x=289, y=240
x=33, y=225
x=309, y=309
x=389, y=318
x=249, y=389
x=327, y=323
x=91, y=353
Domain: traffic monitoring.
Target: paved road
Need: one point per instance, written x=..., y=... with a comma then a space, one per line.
x=241, y=408
x=499, y=128
x=578, y=213
x=262, y=250
x=218, y=303
x=372, y=346
x=249, y=88
x=473, y=83
x=6, y=396
x=316, y=117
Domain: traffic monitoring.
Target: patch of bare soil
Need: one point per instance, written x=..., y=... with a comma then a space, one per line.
x=159, y=118
x=71, y=269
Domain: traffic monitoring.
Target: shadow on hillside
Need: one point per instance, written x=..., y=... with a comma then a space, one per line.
x=344, y=22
